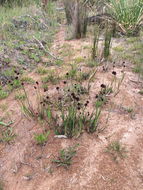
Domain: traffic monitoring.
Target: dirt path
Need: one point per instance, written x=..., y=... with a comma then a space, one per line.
x=26, y=166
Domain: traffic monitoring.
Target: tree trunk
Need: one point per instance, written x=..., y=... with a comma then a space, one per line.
x=68, y=10
x=76, y=14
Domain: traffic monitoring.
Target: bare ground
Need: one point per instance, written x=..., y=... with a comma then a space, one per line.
x=26, y=166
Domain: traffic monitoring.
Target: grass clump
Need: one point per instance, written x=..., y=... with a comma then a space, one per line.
x=15, y=83
x=3, y=107
x=65, y=156
x=116, y=150
x=42, y=138
x=83, y=76
x=58, y=62
x=72, y=72
x=118, y=48
x=78, y=60
x=3, y=94
x=127, y=14
x=91, y=63
x=20, y=96
x=7, y=135
x=51, y=77
x=27, y=80
x=129, y=109
x=42, y=71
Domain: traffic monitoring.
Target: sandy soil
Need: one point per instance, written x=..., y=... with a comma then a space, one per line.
x=26, y=166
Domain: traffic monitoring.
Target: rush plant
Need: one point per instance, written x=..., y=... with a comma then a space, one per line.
x=75, y=119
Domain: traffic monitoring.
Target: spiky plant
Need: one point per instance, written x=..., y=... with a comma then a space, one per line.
x=128, y=15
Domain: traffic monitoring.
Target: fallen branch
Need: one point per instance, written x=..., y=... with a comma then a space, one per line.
x=53, y=56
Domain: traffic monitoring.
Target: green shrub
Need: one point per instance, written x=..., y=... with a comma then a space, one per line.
x=127, y=14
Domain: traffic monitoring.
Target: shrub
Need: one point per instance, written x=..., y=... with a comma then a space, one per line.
x=127, y=14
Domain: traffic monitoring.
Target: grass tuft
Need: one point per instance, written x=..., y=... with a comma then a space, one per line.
x=65, y=156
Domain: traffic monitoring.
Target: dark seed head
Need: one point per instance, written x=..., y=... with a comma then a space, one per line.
x=22, y=83
x=114, y=73
x=77, y=98
x=124, y=65
x=65, y=82
x=103, y=68
x=102, y=99
x=45, y=89
x=78, y=108
x=59, y=98
x=72, y=94
x=35, y=87
x=16, y=78
x=57, y=88
x=96, y=96
x=103, y=86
